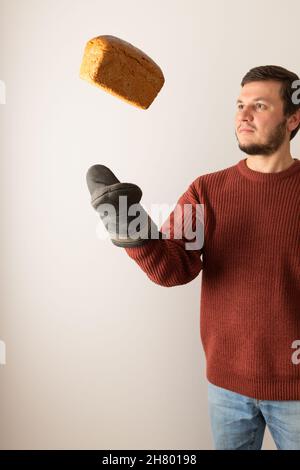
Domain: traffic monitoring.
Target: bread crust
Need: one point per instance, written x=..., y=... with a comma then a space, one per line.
x=121, y=69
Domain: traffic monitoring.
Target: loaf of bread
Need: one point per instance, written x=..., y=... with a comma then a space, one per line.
x=121, y=69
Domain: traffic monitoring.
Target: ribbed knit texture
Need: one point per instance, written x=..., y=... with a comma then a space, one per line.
x=250, y=262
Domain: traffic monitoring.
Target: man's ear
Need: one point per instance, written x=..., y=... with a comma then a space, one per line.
x=294, y=120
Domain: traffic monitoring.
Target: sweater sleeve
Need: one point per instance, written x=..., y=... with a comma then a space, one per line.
x=175, y=260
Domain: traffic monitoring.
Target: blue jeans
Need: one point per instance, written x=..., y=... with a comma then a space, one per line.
x=238, y=422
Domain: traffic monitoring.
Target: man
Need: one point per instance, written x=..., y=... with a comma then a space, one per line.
x=250, y=262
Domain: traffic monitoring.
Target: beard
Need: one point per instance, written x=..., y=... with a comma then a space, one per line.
x=274, y=142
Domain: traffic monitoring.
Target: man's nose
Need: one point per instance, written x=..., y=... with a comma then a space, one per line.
x=246, y=114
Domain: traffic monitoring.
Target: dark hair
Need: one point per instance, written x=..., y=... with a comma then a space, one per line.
x=280, y=74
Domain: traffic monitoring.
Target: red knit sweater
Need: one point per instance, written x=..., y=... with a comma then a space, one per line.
x=250, y=262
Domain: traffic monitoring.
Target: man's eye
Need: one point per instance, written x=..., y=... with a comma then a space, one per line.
x=257, y=104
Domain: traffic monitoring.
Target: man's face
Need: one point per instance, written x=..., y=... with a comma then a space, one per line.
x=260, y=108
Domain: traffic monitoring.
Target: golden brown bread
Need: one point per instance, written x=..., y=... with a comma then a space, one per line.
x=121, y=69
